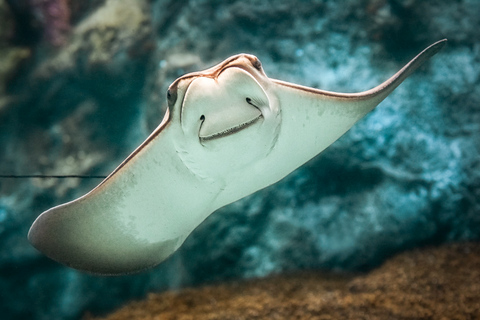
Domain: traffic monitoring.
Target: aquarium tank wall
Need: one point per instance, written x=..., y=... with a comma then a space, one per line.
x=83, y=83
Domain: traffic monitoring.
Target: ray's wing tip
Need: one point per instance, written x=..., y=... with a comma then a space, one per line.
x=35, y=233
x=437, y=46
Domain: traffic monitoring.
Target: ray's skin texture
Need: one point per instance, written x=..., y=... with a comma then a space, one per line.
x=228, y=132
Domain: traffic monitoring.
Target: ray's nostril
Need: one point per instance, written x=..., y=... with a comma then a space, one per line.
x=251, y=102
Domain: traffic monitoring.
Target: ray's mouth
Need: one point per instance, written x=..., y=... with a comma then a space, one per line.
x=231, y=130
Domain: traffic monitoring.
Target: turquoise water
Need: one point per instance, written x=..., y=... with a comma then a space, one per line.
x=83, y=84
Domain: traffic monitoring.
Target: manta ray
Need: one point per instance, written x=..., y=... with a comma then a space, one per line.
x=228, y=131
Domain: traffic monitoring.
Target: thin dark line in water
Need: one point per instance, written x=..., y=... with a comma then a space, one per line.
x=46, y=176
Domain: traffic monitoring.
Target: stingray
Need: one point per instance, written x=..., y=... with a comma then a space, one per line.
x=228, y=131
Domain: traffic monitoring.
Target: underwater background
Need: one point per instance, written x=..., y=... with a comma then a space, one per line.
x=82, y=83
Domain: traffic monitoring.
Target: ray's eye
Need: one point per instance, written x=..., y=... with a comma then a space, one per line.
x=202, y=118
x=257, y=64
x=171, y=96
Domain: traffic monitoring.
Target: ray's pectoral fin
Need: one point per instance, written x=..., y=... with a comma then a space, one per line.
x=317, y=118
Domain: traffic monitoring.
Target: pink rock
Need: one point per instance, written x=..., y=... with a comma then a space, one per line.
x=55, y=18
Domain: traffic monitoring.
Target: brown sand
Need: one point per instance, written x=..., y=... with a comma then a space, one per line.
x=431, y=283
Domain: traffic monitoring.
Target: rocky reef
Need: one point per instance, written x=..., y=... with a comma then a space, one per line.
x=82, y=83
x=427, y=283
